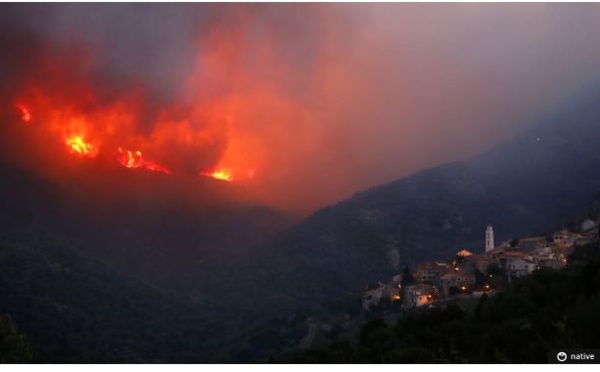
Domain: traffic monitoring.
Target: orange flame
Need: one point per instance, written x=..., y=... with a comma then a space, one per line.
x=220, y=174
x=130, y=159
x=202, y=136
x=78, y=145
x=135, y=160
x=25, y=112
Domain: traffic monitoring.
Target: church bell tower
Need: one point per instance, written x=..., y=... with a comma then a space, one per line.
x=489, y=238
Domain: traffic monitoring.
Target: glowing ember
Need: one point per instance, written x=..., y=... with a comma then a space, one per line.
x=130, y=159
x=78, y=145
x=135, y=160
x=25, y=112
x=156, y=167
x=220, y=174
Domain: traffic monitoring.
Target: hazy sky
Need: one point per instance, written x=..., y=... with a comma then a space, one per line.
x=319, y=100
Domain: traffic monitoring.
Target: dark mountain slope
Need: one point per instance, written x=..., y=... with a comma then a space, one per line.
x=75, y=310
x=174, y=233
x=533, y=183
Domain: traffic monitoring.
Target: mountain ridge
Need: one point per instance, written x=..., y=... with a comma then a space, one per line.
x=523, y=186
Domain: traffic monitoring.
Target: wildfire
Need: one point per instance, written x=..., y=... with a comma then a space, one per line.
x=102, y=126
x=120, y=126
x=135, y=160
x=220, y=174
x=130, y=159
x=25, y=113
x=78, y=145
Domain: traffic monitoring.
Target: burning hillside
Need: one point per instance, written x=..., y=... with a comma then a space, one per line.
x=66, y=109
x=302, y=105
x=72, y=100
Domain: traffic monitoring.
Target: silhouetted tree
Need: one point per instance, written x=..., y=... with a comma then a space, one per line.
x=14, y=347
x=407, y=277
x=480, y=304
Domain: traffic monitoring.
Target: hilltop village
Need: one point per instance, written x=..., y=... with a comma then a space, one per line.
x=470, y=275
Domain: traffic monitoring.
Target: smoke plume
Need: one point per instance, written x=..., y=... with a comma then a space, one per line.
x=300, y=104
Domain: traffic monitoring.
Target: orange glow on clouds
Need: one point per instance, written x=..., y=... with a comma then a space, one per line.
x=227, y=125
x=306, y=105
x=130, y=127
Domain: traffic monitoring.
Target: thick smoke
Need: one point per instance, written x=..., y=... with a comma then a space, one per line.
x=307, y=103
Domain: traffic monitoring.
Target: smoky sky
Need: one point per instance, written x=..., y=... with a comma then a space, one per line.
x=327, y=99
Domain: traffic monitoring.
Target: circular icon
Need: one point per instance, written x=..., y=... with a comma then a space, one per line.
x=562, y=356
